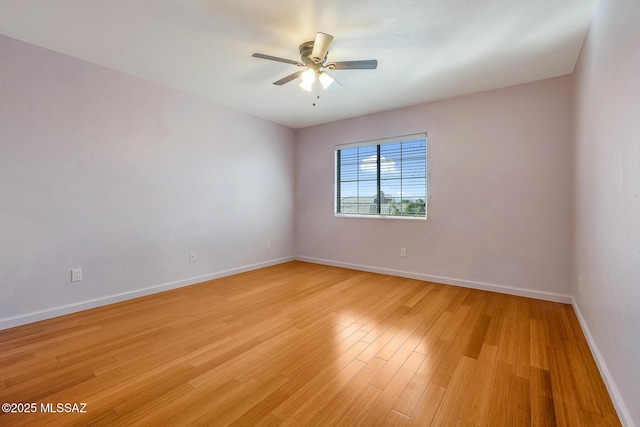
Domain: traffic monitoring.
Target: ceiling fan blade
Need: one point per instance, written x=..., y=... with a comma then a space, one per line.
x=289, y=78
x=321, y=46
x=336, y=84
x=369, y=64
x=275, y=58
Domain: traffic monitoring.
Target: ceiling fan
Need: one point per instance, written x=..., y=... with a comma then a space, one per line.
x=313, y=55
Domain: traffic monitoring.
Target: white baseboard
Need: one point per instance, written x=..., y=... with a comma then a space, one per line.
x=529, y=293
x=35, y=316
x=621, y=408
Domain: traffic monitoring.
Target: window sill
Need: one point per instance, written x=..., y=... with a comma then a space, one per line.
x=401, y=217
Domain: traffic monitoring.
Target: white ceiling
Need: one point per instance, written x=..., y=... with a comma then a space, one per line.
x=426, y=49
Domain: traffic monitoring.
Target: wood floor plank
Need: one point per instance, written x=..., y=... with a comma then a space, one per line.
x=417, y=386
x=480, y=387
x=523, y=343
x=446, y=368
x=394, y=364
x=232, y=368
x=434, y=333
x=391, y=391
x=453, y=327
x=463, y=423
x=261, y=412
x=428, y=406
x=538, y=345
x=300, y=379
x=498, y=410
x=541, y=392
x=454, y=397
x=478, y=334
x=360, y=407
x=305, y=406
x=144, y=411
x=405, y=328
x=244, y=405
x=333, y=410
x=426, y=289
x=395, y=419
x=307, y=344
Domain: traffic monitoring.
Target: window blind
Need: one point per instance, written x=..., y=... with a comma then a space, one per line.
x=383, y=177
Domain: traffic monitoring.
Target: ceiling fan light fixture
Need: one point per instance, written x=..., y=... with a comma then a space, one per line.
x=309, y=76
x=325, y=80
x=308, y=79
x=306, y=85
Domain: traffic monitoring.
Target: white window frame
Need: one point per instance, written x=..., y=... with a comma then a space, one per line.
x=372, y=143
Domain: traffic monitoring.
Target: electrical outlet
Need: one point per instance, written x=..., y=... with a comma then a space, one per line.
x=268, y=244
x=76, y=274
x=403, y=251
x=193, y=257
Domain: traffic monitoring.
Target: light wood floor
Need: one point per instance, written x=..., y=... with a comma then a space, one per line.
x=304, y=344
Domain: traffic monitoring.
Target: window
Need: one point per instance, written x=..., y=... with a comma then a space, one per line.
x=385, y=177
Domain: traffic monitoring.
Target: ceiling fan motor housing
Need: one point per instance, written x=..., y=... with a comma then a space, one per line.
x=306, y=49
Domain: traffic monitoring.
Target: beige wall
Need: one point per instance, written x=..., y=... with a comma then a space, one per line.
x=607, y=197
